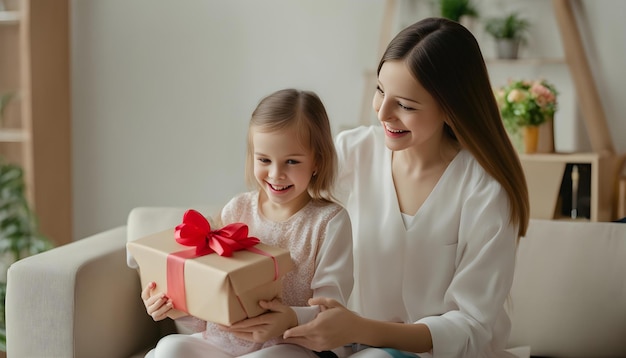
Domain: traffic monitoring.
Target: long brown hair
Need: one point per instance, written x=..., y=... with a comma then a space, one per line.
x=444, y=57
x=303, y=111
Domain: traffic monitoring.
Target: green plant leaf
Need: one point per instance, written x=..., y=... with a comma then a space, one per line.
x=19, y=233
x=510, y=26
x=454, y=9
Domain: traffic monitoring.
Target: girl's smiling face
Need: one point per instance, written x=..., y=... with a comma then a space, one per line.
x=283, y=167
x=410, y=115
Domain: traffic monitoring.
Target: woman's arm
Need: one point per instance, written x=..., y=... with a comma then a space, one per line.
x=337, y=326
x=333, y=277
x=475, y=296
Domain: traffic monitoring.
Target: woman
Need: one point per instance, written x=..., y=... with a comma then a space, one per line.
x=437, y=200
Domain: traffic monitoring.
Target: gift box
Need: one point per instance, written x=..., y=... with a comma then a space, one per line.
x=221, y=279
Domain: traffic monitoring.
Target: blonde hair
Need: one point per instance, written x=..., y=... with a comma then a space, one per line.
x=445, y=58
x=304, y=112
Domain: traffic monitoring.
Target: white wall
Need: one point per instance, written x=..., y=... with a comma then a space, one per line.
x=162, y=90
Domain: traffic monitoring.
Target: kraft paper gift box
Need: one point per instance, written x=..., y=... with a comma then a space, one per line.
x=217, y=288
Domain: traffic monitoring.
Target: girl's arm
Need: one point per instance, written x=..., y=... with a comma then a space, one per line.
x=158, y=306
x=157, y=303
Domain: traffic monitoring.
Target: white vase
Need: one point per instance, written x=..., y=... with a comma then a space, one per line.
x=507, y=48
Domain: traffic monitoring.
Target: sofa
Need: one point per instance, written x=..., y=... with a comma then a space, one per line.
x=82, y=300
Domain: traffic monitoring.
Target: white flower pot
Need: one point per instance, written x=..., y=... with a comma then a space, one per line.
x=507, y=48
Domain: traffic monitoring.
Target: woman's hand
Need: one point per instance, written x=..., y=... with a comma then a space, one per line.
x=157, y=304
x=333, y=327
x=266, y=326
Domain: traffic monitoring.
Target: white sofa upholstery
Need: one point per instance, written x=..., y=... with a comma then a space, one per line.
x=82, y=300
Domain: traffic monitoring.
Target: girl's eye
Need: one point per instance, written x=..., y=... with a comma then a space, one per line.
x=380, y=91
x=291, y=161
x=263, y=160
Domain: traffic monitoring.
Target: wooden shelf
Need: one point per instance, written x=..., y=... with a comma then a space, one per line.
x=13, y=135
x=527, y=61
x=9, y=17
x=558, y=157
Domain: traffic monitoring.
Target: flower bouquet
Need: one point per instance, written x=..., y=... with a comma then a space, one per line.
x=526, y=105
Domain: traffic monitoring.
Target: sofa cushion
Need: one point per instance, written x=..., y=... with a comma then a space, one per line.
x=569, y=292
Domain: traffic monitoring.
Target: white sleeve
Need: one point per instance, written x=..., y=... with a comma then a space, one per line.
x=226, y=214
x=482, y=280
x=333, y=277
x=347, y=144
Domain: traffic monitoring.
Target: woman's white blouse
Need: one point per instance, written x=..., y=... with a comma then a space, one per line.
x=450, y=268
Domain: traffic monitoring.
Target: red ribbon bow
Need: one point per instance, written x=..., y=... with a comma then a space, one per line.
x=195, y=230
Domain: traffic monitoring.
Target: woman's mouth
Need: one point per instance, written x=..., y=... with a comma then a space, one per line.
x=394, y=131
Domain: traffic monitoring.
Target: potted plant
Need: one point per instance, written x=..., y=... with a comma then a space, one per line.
x=19, y=235
x=508, y=31
x=455, y=9
x=525, y=106
x=462, y=11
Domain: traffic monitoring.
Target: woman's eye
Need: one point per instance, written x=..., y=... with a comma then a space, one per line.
x=405, y=107
x=263, y=160
x=380, y=91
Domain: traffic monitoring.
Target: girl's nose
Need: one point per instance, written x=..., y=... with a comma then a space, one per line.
x=275, y=172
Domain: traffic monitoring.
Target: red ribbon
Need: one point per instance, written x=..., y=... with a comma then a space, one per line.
x=195, y=230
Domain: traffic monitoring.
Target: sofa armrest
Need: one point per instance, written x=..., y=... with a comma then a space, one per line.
x=77, y=300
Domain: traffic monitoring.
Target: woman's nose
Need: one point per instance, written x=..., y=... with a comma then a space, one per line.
x=382, y=108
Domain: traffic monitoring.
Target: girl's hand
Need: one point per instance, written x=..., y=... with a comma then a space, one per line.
x=331, y=328
x=266, y=326
x=157, y=304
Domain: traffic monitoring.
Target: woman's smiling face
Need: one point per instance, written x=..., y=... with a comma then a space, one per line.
x=410, y=115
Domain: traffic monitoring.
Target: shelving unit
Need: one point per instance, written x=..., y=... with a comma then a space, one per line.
x=526, y=61
x=35, y=133
x=550, y=185
x=545, y=172
x=603, y=162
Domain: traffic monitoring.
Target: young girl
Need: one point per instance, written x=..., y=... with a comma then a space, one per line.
x=291, y=161
x=437, y=198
